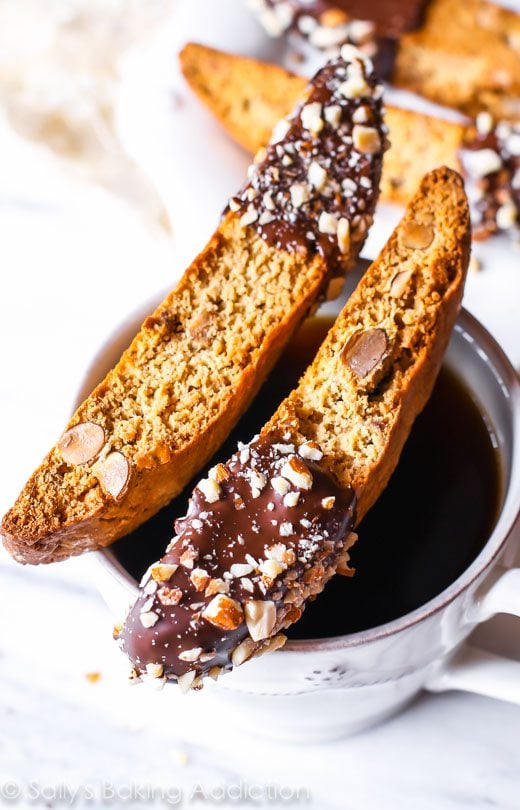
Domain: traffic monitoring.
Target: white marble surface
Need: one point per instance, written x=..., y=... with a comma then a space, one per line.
x=74, y=261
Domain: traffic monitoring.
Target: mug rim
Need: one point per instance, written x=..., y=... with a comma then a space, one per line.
x=473, y=331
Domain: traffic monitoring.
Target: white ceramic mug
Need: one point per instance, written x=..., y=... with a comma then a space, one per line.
x=325, y=688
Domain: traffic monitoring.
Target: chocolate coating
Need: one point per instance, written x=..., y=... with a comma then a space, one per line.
x=316, y=185
x=494, y=196
x=252, y=517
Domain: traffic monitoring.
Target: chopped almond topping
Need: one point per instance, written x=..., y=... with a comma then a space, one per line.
x=297, y=473
x=199, y=578
x=311, y=451
x=216, y=585
x=187, y=557
x=224, y=612
x=210, y=489
x=260, y=618
x=162, y=572
x=219, y=473
x=169, y=596
x=148, y=618
x=190, y=655
x=271, y=569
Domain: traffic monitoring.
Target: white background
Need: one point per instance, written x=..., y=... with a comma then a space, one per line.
x=74, y=261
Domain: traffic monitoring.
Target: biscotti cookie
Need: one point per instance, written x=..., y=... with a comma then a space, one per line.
x=248, y=97
x=265, y=531
x=460, y=53
x=292, y=231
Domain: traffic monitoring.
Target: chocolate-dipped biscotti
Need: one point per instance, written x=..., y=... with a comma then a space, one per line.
x=460, y=53
x=160, y=414
x=266, y=531
x=248, y=97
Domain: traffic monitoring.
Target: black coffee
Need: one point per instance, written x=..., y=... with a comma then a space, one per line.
x=427, y=527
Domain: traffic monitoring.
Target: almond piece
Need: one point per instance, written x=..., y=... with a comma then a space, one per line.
x=297, y=473
x=199, y=578
x=112, y=473
x=188, y=556
x=417, y=236
x=281, y=553
x=271, y=569
x=366, y=139
x=328, y=223
x=280, y=131
x=280, y=485
x=328, y=503
x=238, y=570
x=311, y=451
x=224, y=612
x=199, y=328
x=185, y=681
x=364, y=350
x=169, y=596
x=273, y=644
x=332, y=17
x=399, y=283
x=210, y=489
x=148, y=618
x=216, y=585
x=190, y=655
x=162, y=572
x=291, y=499
x=343, y=236
x=218, y=473
x=81, y=443
x=154, y=670
x=310, y=116
x=215, y=672
x=243, y=652
x=260, y=618
x=361, y=31
x=354, y=87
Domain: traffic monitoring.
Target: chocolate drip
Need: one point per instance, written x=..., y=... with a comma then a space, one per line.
x=253, y=532
x=374, y=26
x=315, y=186
x=490, y=157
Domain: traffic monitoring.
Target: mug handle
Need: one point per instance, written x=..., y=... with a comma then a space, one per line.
x=474, y=670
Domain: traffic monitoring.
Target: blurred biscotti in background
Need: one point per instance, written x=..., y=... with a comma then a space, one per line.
x=248, y=97
x=459, y=53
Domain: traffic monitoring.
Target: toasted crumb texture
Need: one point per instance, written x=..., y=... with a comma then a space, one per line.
x=361, y=424
x=168, y=404
x=249, y=97
x=466, y=55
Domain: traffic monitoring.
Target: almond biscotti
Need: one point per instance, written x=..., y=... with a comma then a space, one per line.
x=248, y=96
x=290, y=234
x=266, y=531
x=460, y=53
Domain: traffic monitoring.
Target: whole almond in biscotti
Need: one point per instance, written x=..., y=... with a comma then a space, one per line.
x=82, y=443
x=113, y=473
x=364, y=351
x=290, y=234
x=319, y=461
